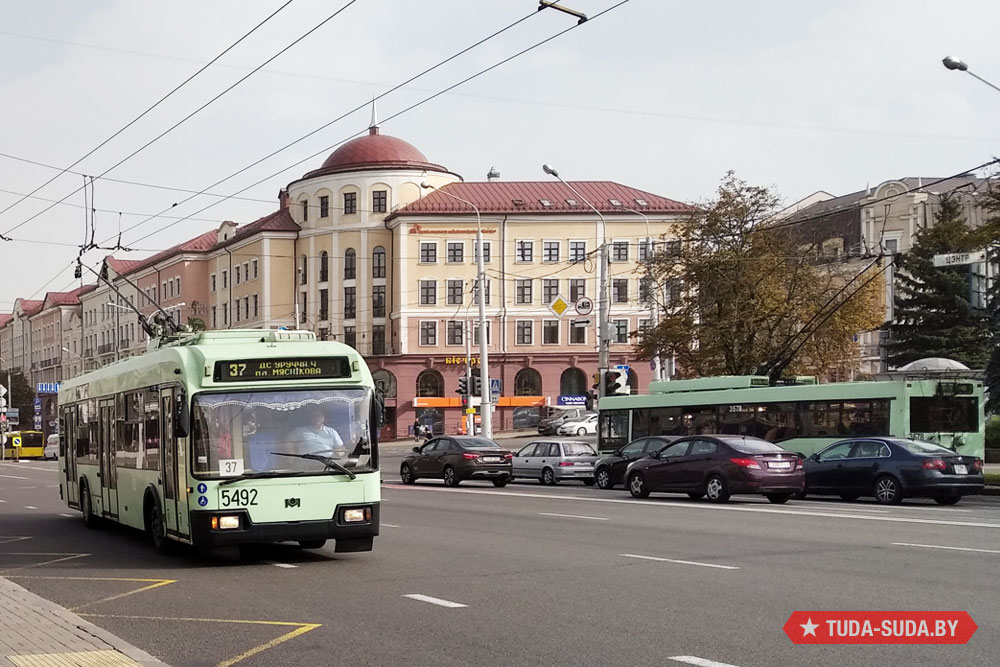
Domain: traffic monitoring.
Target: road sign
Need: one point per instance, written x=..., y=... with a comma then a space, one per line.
x=38, y=422
x=559, y=306
x=960, y=258
x=3, y=391
x=622, y=367
x=584, y=306
x=3, y=407
x=14, y=416
x=38, y=403
x=495, y=385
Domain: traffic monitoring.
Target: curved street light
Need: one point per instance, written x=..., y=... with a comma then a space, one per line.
x=956, y=64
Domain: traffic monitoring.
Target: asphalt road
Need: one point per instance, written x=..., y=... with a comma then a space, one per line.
x=547, y=575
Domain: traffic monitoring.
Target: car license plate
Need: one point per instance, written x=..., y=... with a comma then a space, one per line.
x=961, y=469
x=779, y=464
x=491, y=459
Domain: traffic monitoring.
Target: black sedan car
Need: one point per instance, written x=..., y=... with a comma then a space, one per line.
x=717, y=466
x=454, y=458
x=891, y=469
x=609, y=471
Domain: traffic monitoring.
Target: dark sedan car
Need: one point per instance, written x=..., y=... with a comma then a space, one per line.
x=457, y=457
x=718, y=466
x=891, y=469
x=609, y=471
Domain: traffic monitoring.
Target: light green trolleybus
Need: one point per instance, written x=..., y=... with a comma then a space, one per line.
x=227, y=438
x=802, y=415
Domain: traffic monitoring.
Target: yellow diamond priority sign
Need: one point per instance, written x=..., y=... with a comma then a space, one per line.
x=559, y=306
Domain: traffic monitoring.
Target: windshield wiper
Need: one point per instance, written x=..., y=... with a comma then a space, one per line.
x=329, y=461
x=253, y=475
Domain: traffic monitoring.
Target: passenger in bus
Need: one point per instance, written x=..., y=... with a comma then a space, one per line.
x=316, y=436
x=223, y=438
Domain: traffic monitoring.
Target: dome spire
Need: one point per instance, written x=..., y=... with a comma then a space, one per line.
x=373, y=126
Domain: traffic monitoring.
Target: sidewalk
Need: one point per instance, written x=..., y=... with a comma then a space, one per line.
x=37, y=633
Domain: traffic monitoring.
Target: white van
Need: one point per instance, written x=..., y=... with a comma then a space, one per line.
x=51, y=450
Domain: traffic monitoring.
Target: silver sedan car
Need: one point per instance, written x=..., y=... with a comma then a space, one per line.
x=551, y=461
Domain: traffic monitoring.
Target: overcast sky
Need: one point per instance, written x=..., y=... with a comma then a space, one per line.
x=661, y=95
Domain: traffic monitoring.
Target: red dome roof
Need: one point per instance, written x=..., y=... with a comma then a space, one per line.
x=375, y=151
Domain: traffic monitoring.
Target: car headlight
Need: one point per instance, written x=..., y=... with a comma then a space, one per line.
x=357, y=514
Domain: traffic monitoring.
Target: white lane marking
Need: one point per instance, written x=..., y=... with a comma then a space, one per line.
x=700, y=662
x=937, y=546
x=22, y=488
x=13, y=477
x=22, y=466
x=277, y=564
x=30, y=507
x=3, y=501
x=66, y=515
x=390, y=525
x=437, y=601
x=681, y=562
x=575, y=516
x=691, y=506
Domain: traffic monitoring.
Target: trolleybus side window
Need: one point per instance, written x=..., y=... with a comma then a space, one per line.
x=944, y=414
x=150, y=458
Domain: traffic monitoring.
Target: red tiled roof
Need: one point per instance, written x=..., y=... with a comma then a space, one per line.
x=375, y=151
x=31, y=306
x=199, y=243
x=530, y=197
x=67, y=298
x=5, y=320
x=121, y=266
x=279, y=221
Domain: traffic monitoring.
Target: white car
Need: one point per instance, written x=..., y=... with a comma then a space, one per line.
x=51, y=450
x=585, y=426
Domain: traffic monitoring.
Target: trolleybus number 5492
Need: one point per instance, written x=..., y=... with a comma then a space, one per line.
x=238, y=497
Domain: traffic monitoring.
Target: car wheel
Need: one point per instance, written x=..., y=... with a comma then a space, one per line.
x=450, y=476
x=589, y=481
x=887, y=490
x=501, y=482
x=716, y=489
x=603, y=479
x=406, y=474
x=548, y=477
x=778, y=498
x=312, y=544
x=850, y=497
x=801, y=494
x=696, y=495
x=947, y=500
x=581, y=431
x=89, y=518
x=637, y=486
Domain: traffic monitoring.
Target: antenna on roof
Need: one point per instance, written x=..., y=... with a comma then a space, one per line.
x=493, y=174
x=103, y=277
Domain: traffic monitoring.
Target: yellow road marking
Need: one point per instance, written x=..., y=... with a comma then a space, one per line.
x=300, y=629
x=153, y=583
x=65, y=556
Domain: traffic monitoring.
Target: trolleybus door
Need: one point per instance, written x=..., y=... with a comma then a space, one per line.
x=109, y=472
x=174, y=498
x=68, y=456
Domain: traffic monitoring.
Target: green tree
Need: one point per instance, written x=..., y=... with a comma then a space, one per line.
x=741, y=295
x=22, y=397
x=933, y=316
x=992, y=205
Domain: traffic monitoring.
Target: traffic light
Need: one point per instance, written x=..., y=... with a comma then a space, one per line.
x=616, y=382
x=597, y=381
x=463, y=386
x=477, y=385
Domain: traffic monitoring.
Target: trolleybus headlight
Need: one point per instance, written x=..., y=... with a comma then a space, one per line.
x=357, y=515
x=228, y=522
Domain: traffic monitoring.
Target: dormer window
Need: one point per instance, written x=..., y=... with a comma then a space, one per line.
x=518, y=203
x=615, y=202
x=641, y=202
x=545, y=202
x=571, y=203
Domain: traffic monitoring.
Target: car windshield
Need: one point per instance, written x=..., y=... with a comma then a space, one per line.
x=752, y=445
x=578, y=449
x=478, y=443
x=267, y=432
x=918, y=447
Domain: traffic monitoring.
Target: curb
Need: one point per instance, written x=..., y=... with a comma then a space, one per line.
x=990, y=491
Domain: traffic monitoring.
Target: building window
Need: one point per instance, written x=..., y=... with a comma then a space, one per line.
x=324, y=266
x=378, y=301
x=619, y=290
x=619, y=251
x=672, y=248
x=486, y=251
x=378, y=262
x=253, y=264
x=525, y=251
x=179, y=285
x=351, y=336
x=644, y=327
x=577, y=251
x=305, y=210
x=550, y=251
x=378, y=339
x=225, y=314
x=475, y=334
x=215, y=317
x=246, y=308
x=236, y=279
x=476, y=290
x=324, y=333
x=379, y=201
x=350, y=264
x=621, y=331
x=304, y=312
x=428, y=292
x=303, y=272
x=524, y=291
x=645, y=292
x=577, y=289
x=524, y=329
x=236, y=312
x=256, y=312
x=350, y=303
x=428, y=253
x=211, y=279
x=428, y=333
x=646, y=249
x=456, y=252
x=454, y=333
x=550, y=332
x=324, y=305
x=577, y=334
x=550, y=290
x=455, y=289
x=673, y=290
x=324, y=207
x=350, y=202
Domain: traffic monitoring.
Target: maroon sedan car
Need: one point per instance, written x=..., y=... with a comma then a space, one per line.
x=717, y=466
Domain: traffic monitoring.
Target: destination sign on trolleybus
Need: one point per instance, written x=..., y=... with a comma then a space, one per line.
x=308, y=368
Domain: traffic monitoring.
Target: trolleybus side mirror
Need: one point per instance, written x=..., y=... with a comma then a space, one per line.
x=182, y=416
x=416, y=449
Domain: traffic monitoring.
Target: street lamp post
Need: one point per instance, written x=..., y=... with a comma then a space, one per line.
x=10, y=398
x=653, y=308
x=486, y=409
x=602, y=283
x=953, y=63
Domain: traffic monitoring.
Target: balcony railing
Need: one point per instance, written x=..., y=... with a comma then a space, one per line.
x=105, y=349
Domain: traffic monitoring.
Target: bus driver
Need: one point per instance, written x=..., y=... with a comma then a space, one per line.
x=316, y=436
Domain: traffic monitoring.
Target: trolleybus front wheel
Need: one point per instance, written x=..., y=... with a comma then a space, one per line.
x=90, y=520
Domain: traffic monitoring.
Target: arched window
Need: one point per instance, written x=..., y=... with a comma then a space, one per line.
x=350, y=264
x=324, y=266
x=378, y=262
x=303, y=270
x=305, y=210
x=573, y=382
x=385, y=383
x=430, y=383
x=528, y=382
